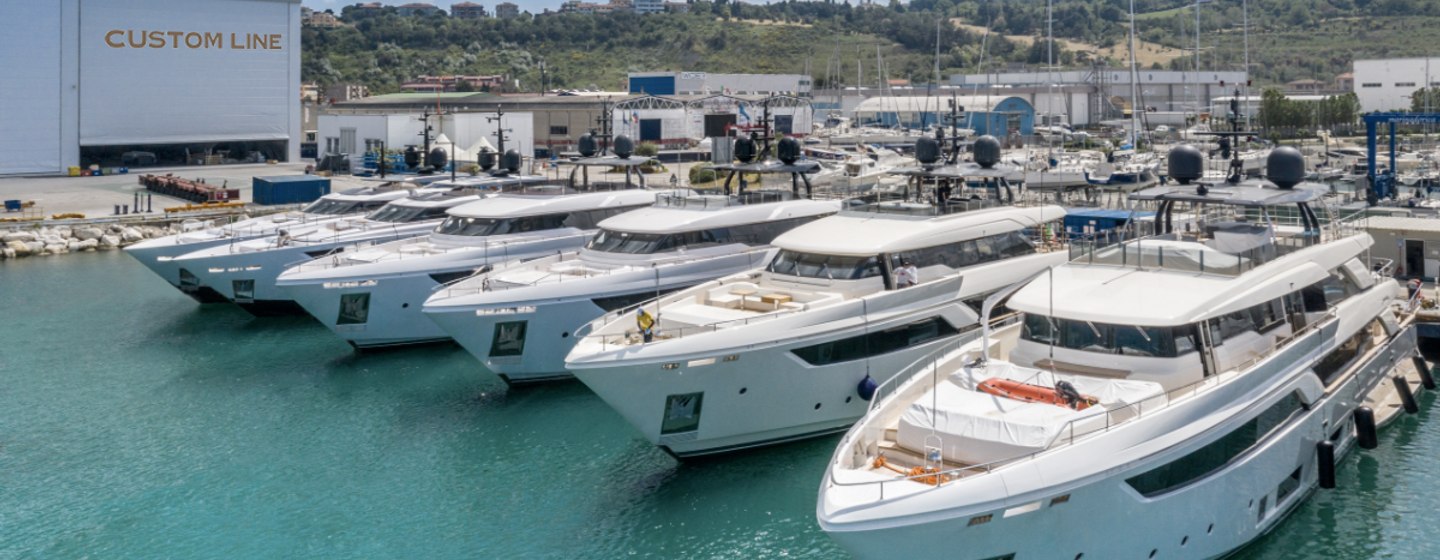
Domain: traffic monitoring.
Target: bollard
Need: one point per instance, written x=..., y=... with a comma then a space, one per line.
x=124, y=208
x=149, y=203
x=117, y=209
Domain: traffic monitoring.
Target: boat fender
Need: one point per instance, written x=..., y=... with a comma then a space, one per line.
x=1325, y=456
x=1427, y=380
x=867, y=387
x=1407, y=397
x=1365, y=433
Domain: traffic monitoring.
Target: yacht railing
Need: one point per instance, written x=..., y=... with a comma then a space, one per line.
x=1126, y=248
x=1067, y=435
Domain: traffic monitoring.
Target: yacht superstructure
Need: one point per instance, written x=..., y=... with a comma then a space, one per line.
x=158, y=254
x=519, y=318
x=244, y=272
x=1189, y=386
x=783, y=353
x=371, y=295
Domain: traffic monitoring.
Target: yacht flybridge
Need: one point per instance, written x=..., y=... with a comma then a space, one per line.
x=791, y=350
x=520, y=319
x=371, y=295
x=244, y=272
x=158, y=254
x=1172, y=395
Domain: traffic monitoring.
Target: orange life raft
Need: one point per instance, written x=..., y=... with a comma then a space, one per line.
x=1026, y=392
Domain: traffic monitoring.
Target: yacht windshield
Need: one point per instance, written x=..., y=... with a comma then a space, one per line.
x=834, y=267
x=1105, y=338
x=399, y=214
x=330, y=207
x=637, y=243
x=475, y=227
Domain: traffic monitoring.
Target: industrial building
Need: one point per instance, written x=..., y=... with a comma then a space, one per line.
x=704, y=83
x=680, y=121
x=1387, y=84
x=148, y=82
x=996, y=115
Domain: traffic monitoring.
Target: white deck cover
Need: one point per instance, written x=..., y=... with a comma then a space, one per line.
x=976, y=428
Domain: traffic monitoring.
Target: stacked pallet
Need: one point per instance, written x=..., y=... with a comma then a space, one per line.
x=195, y=191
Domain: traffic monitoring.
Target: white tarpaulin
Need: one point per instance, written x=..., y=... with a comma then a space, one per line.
x=976, y=428
x=176, y=71
x=30, y=89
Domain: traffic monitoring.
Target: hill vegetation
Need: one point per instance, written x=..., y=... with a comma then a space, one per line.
x=1289, y=39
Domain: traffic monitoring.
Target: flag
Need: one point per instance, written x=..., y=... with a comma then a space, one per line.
x=743, y=115
x=635, y=116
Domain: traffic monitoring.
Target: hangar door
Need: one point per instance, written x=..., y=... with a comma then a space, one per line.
x=30, y=88
x=650, y=130
x=180, y=71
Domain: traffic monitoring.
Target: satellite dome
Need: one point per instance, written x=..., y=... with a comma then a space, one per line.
x=987, y=151
x=927, y=150
x=624, y=146
x=1186, y=163
x=1285, y=167
x=789, y=150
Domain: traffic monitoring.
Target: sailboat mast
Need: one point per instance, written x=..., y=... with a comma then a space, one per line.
x=1134, y=86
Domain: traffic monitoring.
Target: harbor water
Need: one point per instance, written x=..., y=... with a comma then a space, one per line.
x=136, y=424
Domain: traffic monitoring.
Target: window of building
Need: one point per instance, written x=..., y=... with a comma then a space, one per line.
x=1370, y=85
x=1215, y=455
x=876, y=343
x=1404, y=84
x=559, y=130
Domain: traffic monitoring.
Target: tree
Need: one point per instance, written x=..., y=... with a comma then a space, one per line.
x=1425, y=99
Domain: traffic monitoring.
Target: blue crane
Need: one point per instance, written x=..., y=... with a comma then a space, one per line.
x=1383, y=184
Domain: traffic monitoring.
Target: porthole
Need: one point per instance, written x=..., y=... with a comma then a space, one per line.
x=404, y=306
x=1185, y=540
x=1210, y=529
x=817, y=406
x=847, y=400
x=1079, y=556
x=743, y=389
x=1154, y=551
x=565, y=334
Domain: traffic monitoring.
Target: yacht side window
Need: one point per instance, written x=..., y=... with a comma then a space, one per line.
x=1104, y=338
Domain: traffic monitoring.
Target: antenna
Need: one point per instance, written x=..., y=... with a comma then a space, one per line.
x=500, y=130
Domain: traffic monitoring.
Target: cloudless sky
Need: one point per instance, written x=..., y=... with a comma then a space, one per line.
x=532, y=6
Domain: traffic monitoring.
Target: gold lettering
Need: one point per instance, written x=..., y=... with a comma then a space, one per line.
x=157, y=39
x=233, y=43
x=110, y=36
x=174, y=38
x=193, y=40
x=213, y=40
x=275, y=41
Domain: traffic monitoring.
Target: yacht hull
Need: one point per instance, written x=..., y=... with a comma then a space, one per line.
x=377, y=313
x=1076, y=495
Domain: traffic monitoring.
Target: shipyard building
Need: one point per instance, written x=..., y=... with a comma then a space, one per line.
x=148, y=82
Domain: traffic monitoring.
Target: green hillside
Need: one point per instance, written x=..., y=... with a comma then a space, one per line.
x=1290, y=39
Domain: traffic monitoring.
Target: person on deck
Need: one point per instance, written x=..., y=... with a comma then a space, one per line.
x=907, y=275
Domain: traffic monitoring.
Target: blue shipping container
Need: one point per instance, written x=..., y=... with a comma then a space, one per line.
x=289, y=189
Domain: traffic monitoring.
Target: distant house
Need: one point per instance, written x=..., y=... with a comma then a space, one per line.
x=649, y=6
x=507, y=10
x=321, y=19
x=677, y=7
x=418, y=9
x=1306, y=86
x=432, y=84
x=368, y=8
x=468, y=10
x=1345, y=82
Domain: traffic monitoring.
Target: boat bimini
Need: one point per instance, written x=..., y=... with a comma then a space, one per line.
x=371, y=295
x=159, y=254
x=1191, y=386
x=244, y=272
x=790, y=351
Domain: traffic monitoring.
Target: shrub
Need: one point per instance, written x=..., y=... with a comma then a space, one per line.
x=701, y=174
x=647, y=149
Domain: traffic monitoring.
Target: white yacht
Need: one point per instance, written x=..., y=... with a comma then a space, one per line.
x=518, y=319
x=1170, y=396
x=158, y=254
x=244, y=272
x=785, y=352
x=371, y=295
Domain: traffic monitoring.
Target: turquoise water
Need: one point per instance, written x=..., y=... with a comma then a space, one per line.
x=136, y=424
